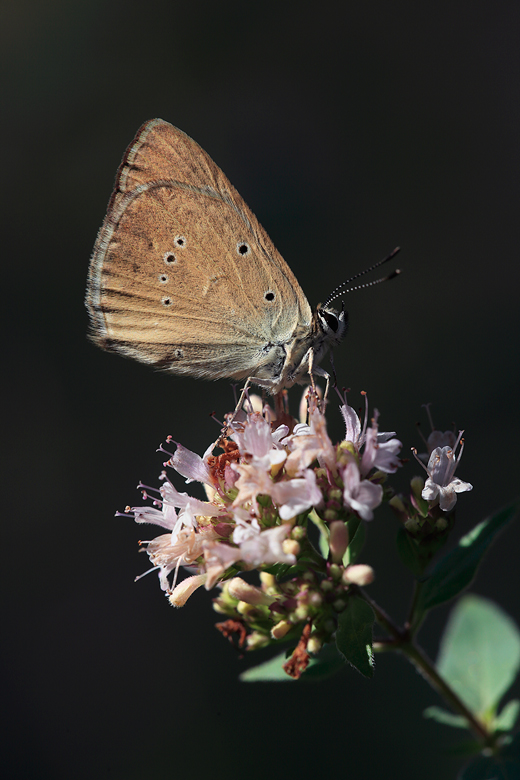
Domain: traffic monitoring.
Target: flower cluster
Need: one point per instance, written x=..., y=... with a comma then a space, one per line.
x=265, y=485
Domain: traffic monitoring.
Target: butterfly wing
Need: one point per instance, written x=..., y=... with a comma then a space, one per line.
x=182, y=275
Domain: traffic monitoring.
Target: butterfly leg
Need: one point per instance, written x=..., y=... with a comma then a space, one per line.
x=318, y=371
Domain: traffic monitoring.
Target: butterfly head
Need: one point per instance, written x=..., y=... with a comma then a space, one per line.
x=329, y=324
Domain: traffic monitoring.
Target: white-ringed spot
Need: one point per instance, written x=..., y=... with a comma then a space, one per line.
x=243, y=248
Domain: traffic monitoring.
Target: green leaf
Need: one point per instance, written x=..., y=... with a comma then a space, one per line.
x=324, y=665
x=479, y=654
x=356, y=535
x=321, y=525
x=408, y=552
x=323, y=544
x=354, y=635
x=445, y=717
x=504, y=766
x=508, y=717
x=271, y=671
x=455, y=571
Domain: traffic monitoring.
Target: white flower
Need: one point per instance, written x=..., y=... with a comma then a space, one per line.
x=380, y=449
x=441, y=485
x=266, y=547
x=255, y=438
x=170, y=551
x=188, y=464
x=362, y=496
x=256, y=549
x=310, y=442
x=294, y=496
x=352, y=423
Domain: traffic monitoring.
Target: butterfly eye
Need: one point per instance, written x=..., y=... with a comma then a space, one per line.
x=166, y=301
x=169, y=258
x=180, y=241
x=243, y=249
x=330, y=319
x=163, y=278
x=269, y=296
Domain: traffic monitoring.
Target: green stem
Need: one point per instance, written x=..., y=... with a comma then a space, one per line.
x=403, y=643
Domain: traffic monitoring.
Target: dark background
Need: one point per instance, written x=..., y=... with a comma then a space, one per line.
x=348, y=128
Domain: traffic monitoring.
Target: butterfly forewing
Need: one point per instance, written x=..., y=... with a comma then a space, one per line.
x=182, y=274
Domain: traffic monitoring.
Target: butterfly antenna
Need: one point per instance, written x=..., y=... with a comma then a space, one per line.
x=340, y=288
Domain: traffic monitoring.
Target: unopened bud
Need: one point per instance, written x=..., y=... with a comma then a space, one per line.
x=291, y=547
x=243, y=591
x=327, y=586
x=358, y=574
x=417, y=485
x=280, y=629
x=338, y=540
x=301, y=612
x=181, y=593
x=314, y=644
x=256, y=402
x=397, y=504
x=267, y=580
x=256, y=640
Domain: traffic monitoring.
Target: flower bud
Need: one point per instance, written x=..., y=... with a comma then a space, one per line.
x=326, y=586
x=280, y=629
x=314, y=644
x=397, y=504
x=255, y=640
x=358, y=574
x=417, y=485
x=338, y=540
x=180, y=594
x=243, y=591
x=291, y=547
x=267, y=580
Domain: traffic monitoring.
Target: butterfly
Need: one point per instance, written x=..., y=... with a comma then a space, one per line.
x=185, y=278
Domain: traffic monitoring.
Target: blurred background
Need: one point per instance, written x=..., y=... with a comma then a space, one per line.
x=348, y=128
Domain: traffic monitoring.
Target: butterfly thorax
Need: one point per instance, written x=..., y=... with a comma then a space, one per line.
x=287, y=363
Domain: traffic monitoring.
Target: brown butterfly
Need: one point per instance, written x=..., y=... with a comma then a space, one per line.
x=185, y=278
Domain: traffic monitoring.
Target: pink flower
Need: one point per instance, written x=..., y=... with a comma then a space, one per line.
x=441, y=484
x=361, y=496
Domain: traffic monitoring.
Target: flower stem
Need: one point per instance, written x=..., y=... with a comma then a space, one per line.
x=402, y=642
